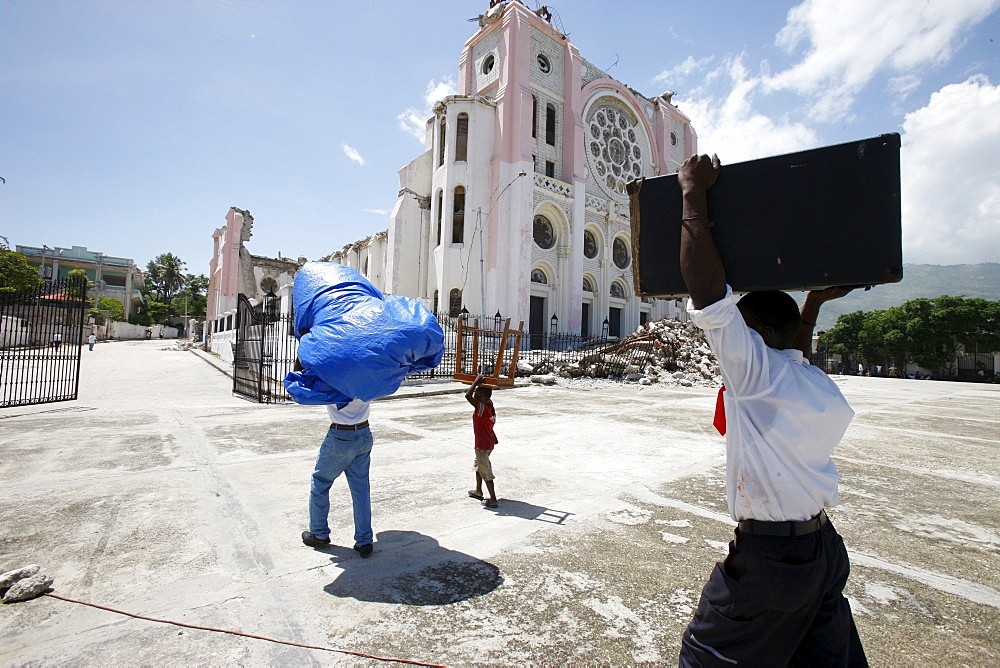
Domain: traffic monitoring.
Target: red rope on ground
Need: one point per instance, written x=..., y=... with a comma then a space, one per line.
x=245, y=635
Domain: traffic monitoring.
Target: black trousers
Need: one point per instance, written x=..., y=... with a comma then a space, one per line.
x=776, y=601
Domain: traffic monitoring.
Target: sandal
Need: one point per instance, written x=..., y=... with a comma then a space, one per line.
x=492, y=503
x=474, y=495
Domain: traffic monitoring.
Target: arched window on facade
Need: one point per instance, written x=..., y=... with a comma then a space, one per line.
x=534, y=116
x=543, y=233
x=589, y=245
x=587, y=285
x=458, y=217
x=619, y=253
x=617, y=291
x=462, y=138
x=550, y=124
x=441, y=135
x=454, y=302
x=440, y=208
x=538, y=276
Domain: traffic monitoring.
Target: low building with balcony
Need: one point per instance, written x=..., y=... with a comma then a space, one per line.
x=115, y=277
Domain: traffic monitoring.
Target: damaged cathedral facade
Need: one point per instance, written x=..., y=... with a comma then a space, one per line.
x=517, y=205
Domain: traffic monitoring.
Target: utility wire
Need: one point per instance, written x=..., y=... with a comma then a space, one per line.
x=245, y=635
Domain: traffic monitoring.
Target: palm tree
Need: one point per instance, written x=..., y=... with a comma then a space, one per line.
x=171, y=274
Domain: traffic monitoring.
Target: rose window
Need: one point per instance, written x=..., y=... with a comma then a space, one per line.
x=615, y=147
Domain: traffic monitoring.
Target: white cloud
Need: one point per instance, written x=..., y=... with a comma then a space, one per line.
x=378, y=212
x=413, y=120
x=951, y=177
x=850, y=41
x=353, y=155
x=732, y=128
x=683, y=70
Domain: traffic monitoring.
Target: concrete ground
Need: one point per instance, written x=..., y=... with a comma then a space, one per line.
x=159, y=493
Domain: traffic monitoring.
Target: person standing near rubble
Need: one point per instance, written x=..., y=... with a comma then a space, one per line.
x=777, y=599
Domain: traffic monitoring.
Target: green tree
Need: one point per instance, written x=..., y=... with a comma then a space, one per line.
x=843, y=338
x=16, y=274
x=165, y=276
x=928, y=332
x=114, y=307
x=193, y=298
x=157, y=312
x=78, y=283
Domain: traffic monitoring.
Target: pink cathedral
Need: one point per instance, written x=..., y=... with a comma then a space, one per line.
x=517, y=204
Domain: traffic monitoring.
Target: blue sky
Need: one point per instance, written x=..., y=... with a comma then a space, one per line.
x=132, y=127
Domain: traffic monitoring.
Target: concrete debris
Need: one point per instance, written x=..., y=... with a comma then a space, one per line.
x=10, y=577
x=29, y=587
x=24, y=583
x=665, y=351
x=545, y=379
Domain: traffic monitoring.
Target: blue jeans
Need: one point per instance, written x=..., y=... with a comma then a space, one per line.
x=347, y=452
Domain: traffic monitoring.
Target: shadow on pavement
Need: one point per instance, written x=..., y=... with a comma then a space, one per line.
x=409, y=568
x=528, y=511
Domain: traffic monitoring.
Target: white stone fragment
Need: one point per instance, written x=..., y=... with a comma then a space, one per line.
x=29, y=587
x=10, y=577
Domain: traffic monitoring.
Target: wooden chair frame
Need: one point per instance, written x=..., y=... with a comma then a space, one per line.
x=494, y=379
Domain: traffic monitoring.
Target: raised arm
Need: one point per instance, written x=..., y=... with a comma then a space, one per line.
x=701, y=266
x=470, y=393
x=810, y=311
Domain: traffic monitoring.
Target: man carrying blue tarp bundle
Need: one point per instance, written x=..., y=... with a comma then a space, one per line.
x=355, y=345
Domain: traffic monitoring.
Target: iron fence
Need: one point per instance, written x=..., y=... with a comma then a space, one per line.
x=264, y=351
x=540, y=352
x=41, y=338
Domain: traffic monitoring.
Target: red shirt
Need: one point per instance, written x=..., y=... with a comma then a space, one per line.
x=483, y=419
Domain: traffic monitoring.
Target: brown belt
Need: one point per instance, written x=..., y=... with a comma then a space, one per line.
x=349, y=427
x=786, y=529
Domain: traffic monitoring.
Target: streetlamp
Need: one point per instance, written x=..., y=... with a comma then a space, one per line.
x=553, y=324
x=479, y=224
x=497, y=319
x=42, y=270
x=604, y=329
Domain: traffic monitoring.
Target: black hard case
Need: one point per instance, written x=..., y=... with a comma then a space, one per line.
x=812, y=219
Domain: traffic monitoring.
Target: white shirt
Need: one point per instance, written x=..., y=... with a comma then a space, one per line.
x=783, y=419
x=353, y=413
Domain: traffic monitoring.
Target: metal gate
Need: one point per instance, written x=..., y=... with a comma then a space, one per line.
x=264, y=351
x=41, y=336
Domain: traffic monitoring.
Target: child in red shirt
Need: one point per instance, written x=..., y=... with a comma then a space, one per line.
x=483, y=419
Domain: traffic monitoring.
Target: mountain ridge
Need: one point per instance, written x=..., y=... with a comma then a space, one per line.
x=920, y=281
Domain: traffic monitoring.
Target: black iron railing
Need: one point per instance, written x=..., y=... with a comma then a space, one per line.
x=540, y=352
x=41, y=337
x=264, y=351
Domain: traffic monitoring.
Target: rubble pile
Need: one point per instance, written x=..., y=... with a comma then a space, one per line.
x=664, y=351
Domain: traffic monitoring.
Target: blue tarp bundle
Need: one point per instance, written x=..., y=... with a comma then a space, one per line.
x=355, y=342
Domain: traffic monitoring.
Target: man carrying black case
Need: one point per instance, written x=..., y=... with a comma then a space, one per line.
x=777, y=599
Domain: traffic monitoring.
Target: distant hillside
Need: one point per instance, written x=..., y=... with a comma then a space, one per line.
x=919, y=280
